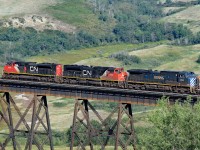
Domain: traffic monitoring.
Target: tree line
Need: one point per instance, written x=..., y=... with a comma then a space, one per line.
x=135, y=23
x=17, y=43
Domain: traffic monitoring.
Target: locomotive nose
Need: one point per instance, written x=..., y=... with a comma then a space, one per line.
x=125, y=75
x=198, y=81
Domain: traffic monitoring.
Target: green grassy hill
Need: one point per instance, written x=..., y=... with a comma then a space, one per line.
x=153, y=56
x=190, y=17
x=75, y=56
x=79, y=13
x=167, y=57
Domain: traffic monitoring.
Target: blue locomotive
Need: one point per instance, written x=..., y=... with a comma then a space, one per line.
x=178, y=81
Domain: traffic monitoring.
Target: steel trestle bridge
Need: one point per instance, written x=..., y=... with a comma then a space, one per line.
x=82, y=109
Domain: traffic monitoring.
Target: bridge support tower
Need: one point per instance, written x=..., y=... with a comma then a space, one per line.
x=86, y=133
x=31, y=124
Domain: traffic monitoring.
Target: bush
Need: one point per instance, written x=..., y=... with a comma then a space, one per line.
x=126, y=58
x=174, y=127
x=59, y=104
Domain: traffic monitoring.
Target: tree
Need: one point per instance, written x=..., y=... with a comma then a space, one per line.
x=168, y=1
x=174, y=127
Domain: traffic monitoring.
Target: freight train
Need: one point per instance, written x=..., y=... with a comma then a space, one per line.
x=139, y=79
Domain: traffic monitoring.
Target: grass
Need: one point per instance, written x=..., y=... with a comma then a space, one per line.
x=165, y=57
x=73, y=12
x=163, y=1
x=80, y=14
x=75, y=56
x=153, y=56
x=190, y=17
x=21, y=7
x=171, y=9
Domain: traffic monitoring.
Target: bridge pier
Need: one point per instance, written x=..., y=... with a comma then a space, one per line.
x=85, y=133
x=17, y=122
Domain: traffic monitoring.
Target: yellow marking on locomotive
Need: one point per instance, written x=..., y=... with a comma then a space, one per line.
x=155, y=83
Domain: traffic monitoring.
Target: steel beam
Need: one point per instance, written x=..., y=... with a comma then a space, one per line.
x=32, y=132
x=106, y=131
x=44, y=98
x=88, y=123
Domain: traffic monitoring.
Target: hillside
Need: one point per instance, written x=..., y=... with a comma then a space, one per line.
x=190, y=17
x=157, y=56
x=23, y=7
x=98, y=18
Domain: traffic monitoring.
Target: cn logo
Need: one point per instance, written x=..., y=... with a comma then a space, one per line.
x=87, y=72
x=33, y=68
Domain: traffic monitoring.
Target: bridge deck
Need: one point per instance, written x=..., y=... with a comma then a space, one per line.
x=89, y=92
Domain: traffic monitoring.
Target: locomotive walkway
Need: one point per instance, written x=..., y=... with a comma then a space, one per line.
x=82, y=94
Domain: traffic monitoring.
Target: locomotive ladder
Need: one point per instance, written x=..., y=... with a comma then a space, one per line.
x=36, y=132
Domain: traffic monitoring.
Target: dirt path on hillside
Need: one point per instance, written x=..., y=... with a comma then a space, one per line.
x=13, y=7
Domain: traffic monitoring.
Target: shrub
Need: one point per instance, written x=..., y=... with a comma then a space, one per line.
x=126, y=58
x=59, y=104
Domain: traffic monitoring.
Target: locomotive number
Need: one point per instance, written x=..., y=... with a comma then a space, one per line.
x=159, y=77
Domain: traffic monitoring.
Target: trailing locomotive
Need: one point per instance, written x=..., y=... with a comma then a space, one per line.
x=175, y=81
x=33, y=71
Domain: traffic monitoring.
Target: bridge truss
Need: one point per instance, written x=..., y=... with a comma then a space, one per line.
x=33, y=122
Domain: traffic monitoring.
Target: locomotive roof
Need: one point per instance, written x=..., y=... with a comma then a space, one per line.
x=21, y=62
x=139, y=71
x=177, y=72
x=100, y=67
x=111, y=69
x=75, y=67
x=46, y=64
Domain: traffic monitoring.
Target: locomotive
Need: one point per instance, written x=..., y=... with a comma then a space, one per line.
x=139, y=79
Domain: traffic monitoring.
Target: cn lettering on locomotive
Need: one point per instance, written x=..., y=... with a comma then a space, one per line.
x=33, y=69
x=87, y=73
x=174, y=81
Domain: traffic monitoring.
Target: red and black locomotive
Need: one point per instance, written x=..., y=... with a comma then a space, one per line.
x=175, y=81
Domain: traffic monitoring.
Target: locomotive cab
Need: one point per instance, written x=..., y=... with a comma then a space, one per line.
x=192, y=81
x=117, y=74
x=15, y=67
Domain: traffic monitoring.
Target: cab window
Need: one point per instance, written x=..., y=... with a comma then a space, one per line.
x=118, y=71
